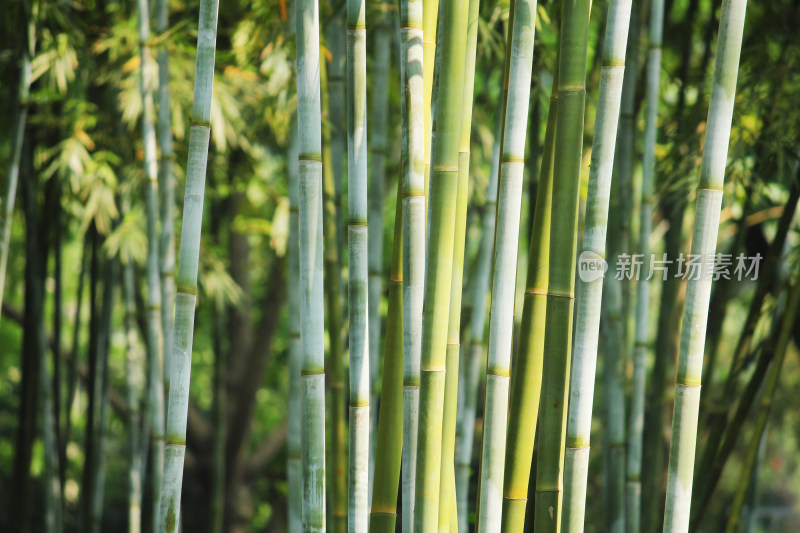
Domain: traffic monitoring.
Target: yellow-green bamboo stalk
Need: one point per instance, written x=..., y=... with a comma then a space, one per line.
x=704, y=241
x=186, y=296
x=519, y=64
x=523, y=409
x=590, y=284
x=430, y=18
x=448, y=519
x=563, y=237
x=167, y=188
x=357, y=247
x=439, y=263
x=391, y=436
x=155, y=340
x=412, y=102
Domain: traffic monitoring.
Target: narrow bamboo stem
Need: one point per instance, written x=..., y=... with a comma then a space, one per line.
x=186, y=296
x=561, y=283
x=704, y=239
x=590, y=283
x=439, y=263
x=430, y=18
x=519, y=65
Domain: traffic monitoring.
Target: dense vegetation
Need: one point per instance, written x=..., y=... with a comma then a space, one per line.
x=455, y=169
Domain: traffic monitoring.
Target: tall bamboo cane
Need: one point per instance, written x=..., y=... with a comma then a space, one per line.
x=378, y=150
x=439, y=264
x=633, y=504
x=155, y=340
x=470, y=372
x=447, y=493
x=704, y=240
x=590, y=284
x=23, y=96
x=519, y=65
x=186, y=296
x=295, y=425
x=357, y=234
x=430, y=18
x=391, y=436
x=167, y=185
x=560, y=298
x=523, y=409
x=414, y=107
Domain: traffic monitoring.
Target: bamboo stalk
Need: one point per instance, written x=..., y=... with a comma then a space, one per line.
x=413, y=110
x=523, y=409
x=704, y=239
x=590, y=284
x=563, y=237
x=358, y=296
x=448, y=517
x=155, y=340
x=439, y=264
x=186, y=295
x=519, y=65
x=430, y=19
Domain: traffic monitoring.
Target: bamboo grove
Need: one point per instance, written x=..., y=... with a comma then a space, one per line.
x=438, y=266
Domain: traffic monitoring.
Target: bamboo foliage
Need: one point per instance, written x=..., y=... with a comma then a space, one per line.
x=413, y=108
x=704, y=239
x=590, y=291
x=155, y=339
x=560, y=298
x=186, y=296
x=439, y=264
x=357, y=234
x=501, y=322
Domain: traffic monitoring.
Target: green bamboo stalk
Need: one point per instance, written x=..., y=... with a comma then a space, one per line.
x=590, y=284
x=470, y=372
x=167, y=188
x=378, y=150
x=523, y=409
x=642, y=344
x=155, y=340
x=391, y=437
x=519, y=65
x=23, y=97
x=439, y=263
x=413, y=108
x=337, y=461
x=357, y=251
x=430, y=18
x=312, y=330
x=448, y=518
x=563, y=237
x=779, y=344
x=704, y=239
x=186, y=295
x=295, y=426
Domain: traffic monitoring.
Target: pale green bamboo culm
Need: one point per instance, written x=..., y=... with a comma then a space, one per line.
x=523, y=409
x=448, y=519
x=167, y=188
x=519, y=64
x=413, y=108
x=430, y=18
x=704, y=241
x=590, y=282
x=563, y=238
x=357, y=247
x=186, y=295
x=23, y=95
x=439, y=263
x=155, y=340
x=633, y=485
